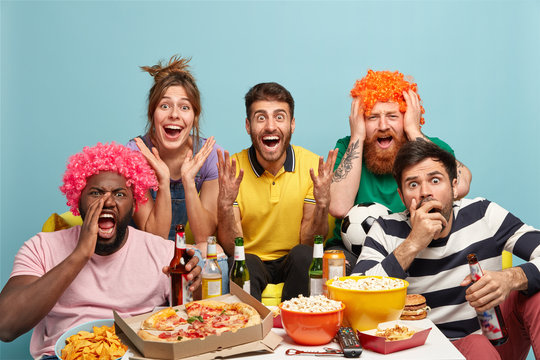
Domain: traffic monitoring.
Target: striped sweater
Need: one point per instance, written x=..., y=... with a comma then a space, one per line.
x=480, y=227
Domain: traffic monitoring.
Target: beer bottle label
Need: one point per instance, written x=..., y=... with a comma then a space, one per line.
x=239, y=253
x=315, y=286
x=246, y=287
x=318, y=251
x=211, y=287
x=490, y=324
x=180, y=241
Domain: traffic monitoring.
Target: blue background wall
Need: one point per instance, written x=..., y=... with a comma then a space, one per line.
x=70, y=78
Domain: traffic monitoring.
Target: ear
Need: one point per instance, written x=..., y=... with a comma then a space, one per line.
x=293, y=125
x=454, y=189
x=248, y=126
x=400, y=195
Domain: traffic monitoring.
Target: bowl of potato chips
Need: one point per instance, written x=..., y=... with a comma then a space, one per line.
x=92, y=340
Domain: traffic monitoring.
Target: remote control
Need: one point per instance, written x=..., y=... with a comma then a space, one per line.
x=349, y=342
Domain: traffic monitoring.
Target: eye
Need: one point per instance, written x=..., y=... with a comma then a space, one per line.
x=435, y=180
x=119, y=194
x=261, y=118
x=372, y=117
x=164, y=106
x=280, y=117
x=413, y=184
x=185, y=107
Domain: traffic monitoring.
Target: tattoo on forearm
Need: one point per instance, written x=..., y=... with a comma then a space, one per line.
x=346, y=162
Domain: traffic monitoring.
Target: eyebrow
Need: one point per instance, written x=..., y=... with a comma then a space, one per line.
x=170, y=98
x=414, y=177
x=101, y=189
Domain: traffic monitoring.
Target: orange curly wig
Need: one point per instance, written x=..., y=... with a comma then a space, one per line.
x=384, y=86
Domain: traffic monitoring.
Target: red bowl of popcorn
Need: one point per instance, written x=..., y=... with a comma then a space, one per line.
x=313, y=320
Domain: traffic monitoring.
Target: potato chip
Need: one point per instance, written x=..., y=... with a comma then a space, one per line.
x=102, y=344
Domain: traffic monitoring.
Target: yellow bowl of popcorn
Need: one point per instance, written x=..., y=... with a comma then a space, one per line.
x=312, y=320
x=369, y=300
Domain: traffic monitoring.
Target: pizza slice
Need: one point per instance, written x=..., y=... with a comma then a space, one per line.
x=164, y=320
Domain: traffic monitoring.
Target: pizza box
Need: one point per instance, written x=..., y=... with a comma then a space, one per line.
x=381, y=345
x=211, y=344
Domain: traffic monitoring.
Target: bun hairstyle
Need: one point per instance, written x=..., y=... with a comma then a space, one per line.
x=174, y=73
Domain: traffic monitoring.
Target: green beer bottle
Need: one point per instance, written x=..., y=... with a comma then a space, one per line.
x=316, y=268
x=239, y=271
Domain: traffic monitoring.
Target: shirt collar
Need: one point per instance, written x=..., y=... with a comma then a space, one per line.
x=259, y=170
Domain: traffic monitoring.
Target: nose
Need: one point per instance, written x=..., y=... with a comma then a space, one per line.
x=109, y=201
x=175, y=111
x=425, y=191
x=383, y=123
x=270, y=124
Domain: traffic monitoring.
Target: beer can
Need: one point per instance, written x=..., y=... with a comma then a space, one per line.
x=333, y=266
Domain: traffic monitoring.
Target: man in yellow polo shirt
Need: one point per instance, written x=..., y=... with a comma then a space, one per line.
x=271, y=195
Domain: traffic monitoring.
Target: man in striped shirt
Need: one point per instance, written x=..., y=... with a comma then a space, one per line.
x=428, y=246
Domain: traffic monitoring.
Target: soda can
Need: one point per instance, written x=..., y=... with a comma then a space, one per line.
x=333, y=266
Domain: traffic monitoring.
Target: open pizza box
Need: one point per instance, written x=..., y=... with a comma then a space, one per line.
x=254, y=338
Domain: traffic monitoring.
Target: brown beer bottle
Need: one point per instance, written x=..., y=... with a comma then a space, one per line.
x=180, y=293
x=491, y=321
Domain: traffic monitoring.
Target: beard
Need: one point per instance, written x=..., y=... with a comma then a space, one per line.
x=104, y=248
x=381, y=161
x=270, y=157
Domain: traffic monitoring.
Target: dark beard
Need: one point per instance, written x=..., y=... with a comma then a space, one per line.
x=380, y=161
x=121, y=230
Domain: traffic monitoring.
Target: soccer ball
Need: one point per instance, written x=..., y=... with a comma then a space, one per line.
x=357, y=222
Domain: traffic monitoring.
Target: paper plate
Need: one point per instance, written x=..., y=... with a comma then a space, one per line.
x=88, y=326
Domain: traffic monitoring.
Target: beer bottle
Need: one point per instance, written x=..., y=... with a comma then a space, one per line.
x=491, y=321
x=211, y=273
x=316, y=268
x=239, y=271
x=180, y=293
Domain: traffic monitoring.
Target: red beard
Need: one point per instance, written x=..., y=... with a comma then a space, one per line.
x=380, y=161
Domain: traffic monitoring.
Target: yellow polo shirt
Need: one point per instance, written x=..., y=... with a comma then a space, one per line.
x=271, y=207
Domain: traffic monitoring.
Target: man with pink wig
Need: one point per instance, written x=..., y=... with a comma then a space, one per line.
x=68, y=277
x=386, y=112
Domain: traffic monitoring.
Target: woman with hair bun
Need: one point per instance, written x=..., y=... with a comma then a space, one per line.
x=184, y=162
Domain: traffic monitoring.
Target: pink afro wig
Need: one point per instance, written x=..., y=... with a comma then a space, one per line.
x=107, y=157
x=384, y=86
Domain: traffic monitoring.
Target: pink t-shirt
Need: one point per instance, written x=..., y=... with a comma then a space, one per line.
x=129, y=281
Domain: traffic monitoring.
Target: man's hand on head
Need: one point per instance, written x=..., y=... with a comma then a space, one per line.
x=356, y=121
x=413, y=114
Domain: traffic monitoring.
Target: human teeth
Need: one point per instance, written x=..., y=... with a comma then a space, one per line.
x=173, y=127
x=109, y=231
x=106, y=216
x=271, y=138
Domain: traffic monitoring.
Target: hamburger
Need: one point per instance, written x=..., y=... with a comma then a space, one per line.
x=415, y=307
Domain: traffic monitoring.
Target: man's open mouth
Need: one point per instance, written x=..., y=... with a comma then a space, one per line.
x=385, y=142
x=271, y=141
x=106, y=225
x=172, y=130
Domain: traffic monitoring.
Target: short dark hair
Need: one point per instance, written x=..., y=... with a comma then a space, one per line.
x=413, y=152
x=270, y=91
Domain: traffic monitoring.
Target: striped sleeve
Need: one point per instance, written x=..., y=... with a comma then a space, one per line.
x=521, y=240
x=377, y=257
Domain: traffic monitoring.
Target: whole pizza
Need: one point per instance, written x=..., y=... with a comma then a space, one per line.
x=201, y=319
